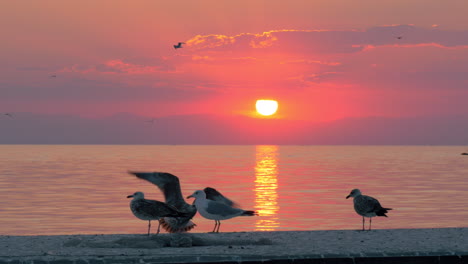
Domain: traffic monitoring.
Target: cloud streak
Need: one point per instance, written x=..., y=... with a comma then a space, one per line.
x=330, y=41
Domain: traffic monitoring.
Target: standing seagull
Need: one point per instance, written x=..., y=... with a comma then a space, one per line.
x=9, y=115
x=217, y=211
x=367, y=206
x=151, y=209
x=179, y=45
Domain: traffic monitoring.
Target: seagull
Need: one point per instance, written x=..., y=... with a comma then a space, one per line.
x=399, y=37
x=145, y=209
x=217, y=211
x=367, y=206
x=170, y=186
x=53, y=76
x=9, y=115
x=179, y=45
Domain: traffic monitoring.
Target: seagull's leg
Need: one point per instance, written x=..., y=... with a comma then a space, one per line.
x=370, y=223
x=219, y=224
x=216, y=222
x=159, y=227
x=363, y=220
x=149, y=227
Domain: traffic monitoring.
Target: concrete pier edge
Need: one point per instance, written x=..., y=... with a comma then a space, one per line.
x=429, y=258
x=399, y=246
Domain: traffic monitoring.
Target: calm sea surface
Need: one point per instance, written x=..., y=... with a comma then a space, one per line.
x=74, y=189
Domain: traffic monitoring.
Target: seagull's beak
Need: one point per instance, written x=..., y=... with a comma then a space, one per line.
x=190, y=196
x=348, y=196
x=130, y=196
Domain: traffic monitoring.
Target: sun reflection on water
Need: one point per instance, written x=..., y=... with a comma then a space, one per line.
x=266, y=185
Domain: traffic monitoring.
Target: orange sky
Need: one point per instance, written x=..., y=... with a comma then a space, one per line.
x=322, y=60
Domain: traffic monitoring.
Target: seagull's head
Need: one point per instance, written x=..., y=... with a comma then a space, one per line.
x=354, y=193
x=137, y=195
x=198, y=194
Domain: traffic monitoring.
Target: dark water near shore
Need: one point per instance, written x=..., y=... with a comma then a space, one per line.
x=71, y=189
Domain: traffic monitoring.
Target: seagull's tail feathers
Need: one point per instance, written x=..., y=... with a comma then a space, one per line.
x=383, y=211
x=249, y=213
x=173, y=225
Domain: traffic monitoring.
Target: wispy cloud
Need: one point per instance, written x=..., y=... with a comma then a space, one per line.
x=330, y=41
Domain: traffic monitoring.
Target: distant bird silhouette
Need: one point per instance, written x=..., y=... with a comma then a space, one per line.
x=9, y=115
x=367, y=206
x=217, y=211
x=179, y=45
x=151, y=121
x=145, y=209
x=53, y=76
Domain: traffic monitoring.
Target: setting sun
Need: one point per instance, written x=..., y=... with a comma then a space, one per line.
x=266, y=107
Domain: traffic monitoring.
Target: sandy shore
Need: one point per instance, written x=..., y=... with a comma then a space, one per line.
x=242, y=246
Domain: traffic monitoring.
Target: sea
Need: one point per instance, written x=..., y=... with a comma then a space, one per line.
x=83, y=189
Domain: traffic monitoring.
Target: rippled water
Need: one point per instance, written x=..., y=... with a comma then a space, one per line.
x=72, y=189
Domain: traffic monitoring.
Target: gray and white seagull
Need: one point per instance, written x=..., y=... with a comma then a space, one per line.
x=146, y=209
x=367, y=206
x=217, y=211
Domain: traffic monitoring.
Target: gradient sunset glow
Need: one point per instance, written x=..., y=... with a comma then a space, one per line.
x=334, y=67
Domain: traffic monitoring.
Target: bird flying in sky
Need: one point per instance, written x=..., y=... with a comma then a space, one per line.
x=179, y=45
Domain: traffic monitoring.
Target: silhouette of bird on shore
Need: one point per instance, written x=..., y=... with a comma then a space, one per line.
x=145, y=209
x=367, y=206
x=179, y=45
x=9, y=115
x=217, y=211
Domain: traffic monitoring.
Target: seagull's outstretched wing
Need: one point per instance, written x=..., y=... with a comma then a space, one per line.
x=170, y=186
x=167, y=183
x=213, y=194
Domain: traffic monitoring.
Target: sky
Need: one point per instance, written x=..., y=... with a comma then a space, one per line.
x=337, y=64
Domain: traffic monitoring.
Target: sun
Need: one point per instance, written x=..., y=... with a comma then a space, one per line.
x=266, y=107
